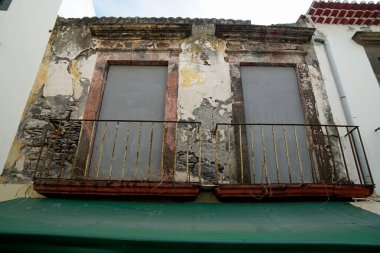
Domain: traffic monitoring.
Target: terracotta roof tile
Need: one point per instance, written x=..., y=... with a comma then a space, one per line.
x=344, y=13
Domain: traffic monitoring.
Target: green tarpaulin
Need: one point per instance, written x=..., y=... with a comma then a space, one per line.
x=52, y=225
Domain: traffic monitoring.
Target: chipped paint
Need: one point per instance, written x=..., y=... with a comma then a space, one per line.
x=75, y=76
x=59, y=80
x=190, y=77
x=203, y=74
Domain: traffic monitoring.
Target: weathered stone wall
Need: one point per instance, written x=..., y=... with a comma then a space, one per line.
x=207, y=91
x=59, y=92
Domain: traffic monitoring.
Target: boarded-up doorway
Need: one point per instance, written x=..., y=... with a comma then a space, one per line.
x=278, y=152
x=130, y=150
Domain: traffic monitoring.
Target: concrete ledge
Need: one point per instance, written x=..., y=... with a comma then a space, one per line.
x=14, y=191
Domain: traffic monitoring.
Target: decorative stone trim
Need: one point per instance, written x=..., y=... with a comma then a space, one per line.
x=367, y=38
x=152, y=20
x=297, y=35
x=141, y=31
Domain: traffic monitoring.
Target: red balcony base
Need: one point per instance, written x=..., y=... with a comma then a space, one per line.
x=116, y=189
x=306, y=191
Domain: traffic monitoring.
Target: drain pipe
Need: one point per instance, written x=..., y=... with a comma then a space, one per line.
x=343, y=98
x=337, y=78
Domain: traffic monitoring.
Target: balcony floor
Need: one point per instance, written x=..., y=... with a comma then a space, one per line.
x=116, y=189
x=146, y=191
x=286, y=191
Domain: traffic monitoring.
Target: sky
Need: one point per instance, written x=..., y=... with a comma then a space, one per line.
x=260, y=12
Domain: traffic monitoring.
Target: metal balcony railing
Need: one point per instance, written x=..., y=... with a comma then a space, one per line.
x=121, y=150
x=116, y=157
x=270, y=154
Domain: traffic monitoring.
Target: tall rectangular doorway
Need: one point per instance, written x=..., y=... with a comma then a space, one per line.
x=277, y=149
x=127, y=144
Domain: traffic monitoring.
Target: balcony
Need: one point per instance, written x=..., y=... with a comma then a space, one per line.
x=291, y=161
x=169, y=160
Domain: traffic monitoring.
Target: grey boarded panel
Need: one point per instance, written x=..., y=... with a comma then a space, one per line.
x=134, y=93
x=277, y=154
x=123, y=149
x=271, y=95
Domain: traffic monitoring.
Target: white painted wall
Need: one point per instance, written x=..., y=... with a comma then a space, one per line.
x=359, y=83
x=24, y=34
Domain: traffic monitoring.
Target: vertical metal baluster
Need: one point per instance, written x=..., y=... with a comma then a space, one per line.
x=343, y=156
x=74, y=161
x=252, y=154
x=65, y=150
x=365, y=158
x=150, y=150
x=217, y=154
x=229, y=153
x=264, y=155
x=313, y=172
x=275, y=153
x=187, y=152
x=46, y=160
x=40, y=153
x=54, y=146
x=101, y=149
x=355, y=156
x=113, y=149
x=200, y=155
x=241, y=157
x=92, y=139
x=126, y=149
x=319, y=151
x=287, y=154
x=138, y=151
x=175, y=149
x=298, y=152
x=332, y=153
x=162, y=152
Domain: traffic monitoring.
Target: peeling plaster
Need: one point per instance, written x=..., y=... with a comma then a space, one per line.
x=203, y=72
x=319, y=90
x=59, y=80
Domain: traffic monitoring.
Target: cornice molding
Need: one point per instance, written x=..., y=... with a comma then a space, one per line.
x=141, y=31
x=280, y=34
x=367, y=38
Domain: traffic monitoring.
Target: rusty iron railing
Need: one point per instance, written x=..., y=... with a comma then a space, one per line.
x=270, y=154
x=171, y=152
x=122, y=150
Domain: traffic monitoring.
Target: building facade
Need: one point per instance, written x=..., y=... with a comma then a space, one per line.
x=198, y=110
x=138, y=106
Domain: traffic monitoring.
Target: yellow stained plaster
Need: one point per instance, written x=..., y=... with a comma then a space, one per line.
x=75, y=76
x=14, y=153
x=190, y=77
x=14, y=191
